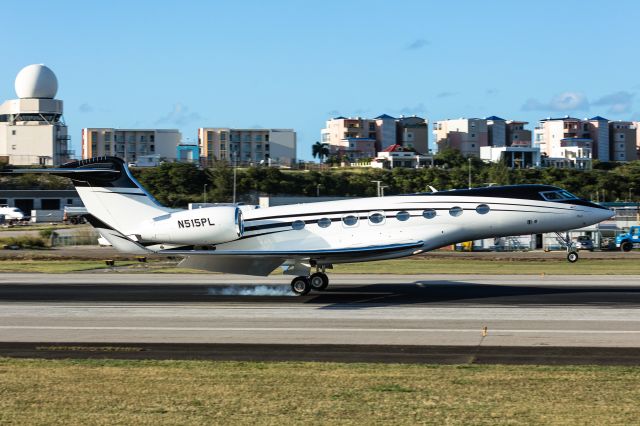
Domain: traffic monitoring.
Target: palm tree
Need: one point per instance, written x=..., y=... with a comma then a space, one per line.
x=320, y=150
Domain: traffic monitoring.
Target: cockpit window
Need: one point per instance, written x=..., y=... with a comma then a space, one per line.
x=558, y=195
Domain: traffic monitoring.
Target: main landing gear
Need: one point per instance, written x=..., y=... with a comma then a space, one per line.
x=572, y=253
x=303, y=285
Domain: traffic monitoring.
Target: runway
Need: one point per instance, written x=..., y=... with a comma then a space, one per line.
x=465, y=315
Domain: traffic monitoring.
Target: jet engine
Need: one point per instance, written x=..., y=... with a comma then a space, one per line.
x=209, y=225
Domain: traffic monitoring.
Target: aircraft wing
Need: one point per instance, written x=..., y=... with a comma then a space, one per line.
x=331, y=252
x=263, y=262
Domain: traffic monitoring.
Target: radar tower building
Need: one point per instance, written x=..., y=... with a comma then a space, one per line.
x=32, y=129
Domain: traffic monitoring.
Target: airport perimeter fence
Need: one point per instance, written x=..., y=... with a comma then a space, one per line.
x=84, y=238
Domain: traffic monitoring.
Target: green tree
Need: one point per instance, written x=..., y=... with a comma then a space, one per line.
x=320, y=151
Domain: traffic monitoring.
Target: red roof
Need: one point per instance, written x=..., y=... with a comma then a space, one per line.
x=393, y=148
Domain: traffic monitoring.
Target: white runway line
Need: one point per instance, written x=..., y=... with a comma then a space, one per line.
x=322, y=329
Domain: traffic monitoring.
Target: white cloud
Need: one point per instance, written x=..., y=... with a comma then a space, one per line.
x=417, y=44
x=179, y=115
x=618, y=102
x=566, y=101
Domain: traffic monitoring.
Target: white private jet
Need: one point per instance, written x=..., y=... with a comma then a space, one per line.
x=315, y=236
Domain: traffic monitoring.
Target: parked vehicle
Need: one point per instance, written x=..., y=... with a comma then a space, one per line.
x=584, y=242
x=626, y=241
x=11, y=214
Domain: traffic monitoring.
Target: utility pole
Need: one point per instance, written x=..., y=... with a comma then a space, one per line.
x=235, y=156
x=377, y=182
x=469, y=160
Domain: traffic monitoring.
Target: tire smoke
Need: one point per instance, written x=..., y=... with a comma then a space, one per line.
x=259, y=290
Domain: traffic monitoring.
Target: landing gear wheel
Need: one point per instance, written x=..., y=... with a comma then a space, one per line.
x=300, y=286
x=319, y=281
x=572, y=256
x=626, y=246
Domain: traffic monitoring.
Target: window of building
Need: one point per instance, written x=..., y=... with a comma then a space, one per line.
x=152, y=148
x=483, y=209
x=266, y=147
x=107, y=136
x=455, y=211
x=143, y=138
x=473, y=145
x=223, y=136
x=429, y=214
x=94, y=137
x=376, y=218
x=152, y=138
x=350, y=220
x=209, y=136
x=621, y=136
x=258, y=138
x=297, y=224
x=266, y=137
x=372, y=127
x=325, y=222
x=222, y=147
x=473, y=135
x=69, y=201
x=403, y=216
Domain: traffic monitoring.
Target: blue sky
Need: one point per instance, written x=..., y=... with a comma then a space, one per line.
x=293, y=64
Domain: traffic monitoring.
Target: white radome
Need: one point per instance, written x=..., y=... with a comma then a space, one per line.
x=36, y=81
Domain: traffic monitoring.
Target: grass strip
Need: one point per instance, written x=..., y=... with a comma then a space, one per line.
x=55, y=266
x=75, y=392
x=409, y=266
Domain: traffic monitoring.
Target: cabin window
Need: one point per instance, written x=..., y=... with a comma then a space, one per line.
x=455, y=211
x=297, y=224
x=483, y=209
x=376, y=218
x=325, y=222
x=350, y=220
x=402, y=216
x=429, y=214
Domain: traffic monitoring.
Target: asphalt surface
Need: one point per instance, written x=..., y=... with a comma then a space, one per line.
x=387, y=318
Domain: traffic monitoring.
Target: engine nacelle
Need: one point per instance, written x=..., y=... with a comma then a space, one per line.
x=209, y=225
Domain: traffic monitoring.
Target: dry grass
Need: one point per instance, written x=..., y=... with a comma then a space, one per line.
x=54, y=266
x=194, y=392
x=618, y=266
x=417, y=265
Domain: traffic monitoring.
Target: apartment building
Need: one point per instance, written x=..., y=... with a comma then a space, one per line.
x=358, y=137
x=131, y=145
x=623, y=140
x=32, y=130
x=247, y=146
x=464, y=134
x=587, y=139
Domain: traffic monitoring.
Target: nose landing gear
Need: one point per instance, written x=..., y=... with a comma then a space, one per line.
x=572, y=253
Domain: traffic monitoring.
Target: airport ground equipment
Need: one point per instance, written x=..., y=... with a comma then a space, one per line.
x=625, y=242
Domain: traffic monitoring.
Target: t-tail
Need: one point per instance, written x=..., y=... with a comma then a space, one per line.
x=132, y=220
x=115, y=201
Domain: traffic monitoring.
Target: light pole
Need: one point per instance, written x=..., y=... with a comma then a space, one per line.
x=318, y=189
x=204, y=194
x=469, y=159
